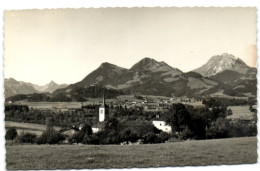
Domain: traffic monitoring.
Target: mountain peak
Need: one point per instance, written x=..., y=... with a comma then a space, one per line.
x=219, y=63
x=149, y=64
x=52, y=82
x=145, y=63
x=107, y=65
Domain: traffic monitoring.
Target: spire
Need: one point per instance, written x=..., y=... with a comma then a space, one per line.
x=104, y=100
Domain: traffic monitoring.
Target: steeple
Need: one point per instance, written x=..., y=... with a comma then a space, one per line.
x=103, y=110
x=104, y=100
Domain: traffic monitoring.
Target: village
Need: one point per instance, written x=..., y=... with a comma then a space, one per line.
x=138, y=111
x=148, y=104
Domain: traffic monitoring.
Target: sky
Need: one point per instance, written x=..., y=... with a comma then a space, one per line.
x=65, y=45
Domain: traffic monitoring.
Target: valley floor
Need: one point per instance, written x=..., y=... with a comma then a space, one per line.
x=188, y=153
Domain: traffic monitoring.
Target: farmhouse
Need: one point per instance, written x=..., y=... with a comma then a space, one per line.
x=161, y=125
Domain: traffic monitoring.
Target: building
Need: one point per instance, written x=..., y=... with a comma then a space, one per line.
x=161, y=125
x=103, y=111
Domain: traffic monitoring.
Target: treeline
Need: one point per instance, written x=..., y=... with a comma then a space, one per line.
x=132, y=125
x=79, y=94
x=96, y=91
x=216, y=101
x=88, y=113
x=21, y=113
x=113, y=132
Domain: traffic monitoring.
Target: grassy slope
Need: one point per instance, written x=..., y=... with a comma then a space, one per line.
x=210, y=152
x=27, y=127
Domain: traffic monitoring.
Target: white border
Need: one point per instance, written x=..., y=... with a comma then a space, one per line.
x=43, y=4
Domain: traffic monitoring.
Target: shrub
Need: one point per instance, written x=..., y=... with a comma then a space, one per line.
x=91, y=139
x=27, y=138
x=50, y=137
x=150, y=137
x=128, y=135
x=11, y=133
x=163, y=136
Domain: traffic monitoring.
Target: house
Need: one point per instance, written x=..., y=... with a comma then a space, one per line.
x=69, y=131
x=161, y=125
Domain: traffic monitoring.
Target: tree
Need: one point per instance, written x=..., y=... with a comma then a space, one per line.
x=128, y=135
x=11, y=133
x=86, y=129
x=49, y=124
x=150, y=137
x=229, y=112
x=179, y=117
x=221, y=128
x=163, y=136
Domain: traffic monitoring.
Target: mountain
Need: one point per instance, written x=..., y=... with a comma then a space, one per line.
x=50, y=87
x=14, y=87
x=105, y=74
x=148, y=77
x=221, y=75
x=114, y=77
x=243, y=83
x=219, y=63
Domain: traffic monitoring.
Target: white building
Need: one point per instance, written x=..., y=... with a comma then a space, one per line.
x=95, y=130
x=161, y=125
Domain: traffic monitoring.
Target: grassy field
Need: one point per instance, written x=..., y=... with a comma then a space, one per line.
x=27, y=127
x=51, y=105
x=240, y=112
x=188, y=153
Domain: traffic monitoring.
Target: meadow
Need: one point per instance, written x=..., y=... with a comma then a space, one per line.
x=27, y=127
x=188, y=153
x=240, y=112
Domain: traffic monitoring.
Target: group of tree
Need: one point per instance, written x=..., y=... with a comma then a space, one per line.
x=204, y=123
x=11, y=134
x=21, y=113
x=187, y=122
x=114, y=132
x=209, y=102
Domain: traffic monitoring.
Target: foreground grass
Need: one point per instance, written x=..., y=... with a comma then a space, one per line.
x=188, y=153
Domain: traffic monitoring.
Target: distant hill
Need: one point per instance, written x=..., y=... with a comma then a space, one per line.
x=14, y=87
x=50, y=87
x=77, y=94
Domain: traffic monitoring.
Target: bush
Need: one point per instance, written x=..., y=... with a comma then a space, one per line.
x=91, y=139
x=150, y=138
x=163, y=136
x=243, y=129
x=50, y=137
x=27, y=138
x=128, y=135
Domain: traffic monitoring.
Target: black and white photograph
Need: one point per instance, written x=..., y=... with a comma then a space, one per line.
x=139, y=87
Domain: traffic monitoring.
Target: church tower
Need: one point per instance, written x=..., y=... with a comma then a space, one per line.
x=103, y=111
